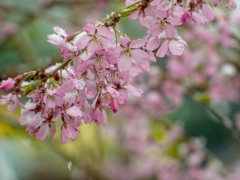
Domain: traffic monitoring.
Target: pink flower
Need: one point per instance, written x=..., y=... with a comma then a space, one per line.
x=60, y=39
x=200, y=13
x=74, y=111
x=99, y=60
x=99, y=116
x=95, y=38
x=207, y=12
x=12, y=100
x=42, y=132
x=57, y=39
x=52, y=130
x=131, y=50
x=68, y=132
x=70, y=126
x=162, y=23
x=52, y=99
x=8, y=84
x=133, y=90
x=29, y=112
x=175, y=46
x=197, y=17
x=144, y=11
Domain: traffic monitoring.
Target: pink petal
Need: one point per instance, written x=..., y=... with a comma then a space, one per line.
x=13, y=103
x=139, y=55
x=104, y=117
x=105, y=31
x=124, y=76
x=109, y=41
x=87, y=118
x=124, y=63
x=52, y=130
x=160, y=13
x=74, y=111
x=146, y=66
x=186, y=18
x=95, y=102
x=134, y=15
x=171, y=31
x=129, y=2
x=42, y=132
x=100, y=116
x=151, y=56
x=86, y=65
x=133, y=90
x=137, y=43
x=162, y=51
x=176, y=21
x=3, y=101
x=152, y=43
x=156, y=2
x=113, y=55
x=60, y=31
x=83, y=41
x=123, y=97
x=125, y=41
x=7, y=84
x=91, y=93
x=178, y=11
x=79, y=83
x=89, y=29
x=176, y=47
x=154, y=30
x=36, y=121
x=135, y=70
x=115, y=105
x=64, y=137
x=149, y=21
x=198, y=18
x=92, y=47
x=112, y=91
x=216, y=2
x=71, y=132
x=55, y=39
x=207, y=12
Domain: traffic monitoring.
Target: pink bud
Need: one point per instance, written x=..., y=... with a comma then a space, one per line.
x=8, y=84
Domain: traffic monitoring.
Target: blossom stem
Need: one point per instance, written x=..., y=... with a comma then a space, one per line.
x=62, y=66
x=227, y=123
x=126, y=7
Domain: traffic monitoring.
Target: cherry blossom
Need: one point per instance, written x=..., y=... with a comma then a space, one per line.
x=174, y=46
x=101, y=63
x=8, y=84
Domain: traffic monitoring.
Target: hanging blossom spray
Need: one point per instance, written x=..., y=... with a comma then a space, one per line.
x=99, y=65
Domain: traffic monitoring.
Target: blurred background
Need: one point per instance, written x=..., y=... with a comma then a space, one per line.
x=135, y=144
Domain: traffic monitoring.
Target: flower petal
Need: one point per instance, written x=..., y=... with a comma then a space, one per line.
x=139, y=55
x=74, y=111
x=124, y=63
x=162, y=51
x=176, y=47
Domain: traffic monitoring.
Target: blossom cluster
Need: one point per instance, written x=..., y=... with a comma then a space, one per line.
x=100, y=63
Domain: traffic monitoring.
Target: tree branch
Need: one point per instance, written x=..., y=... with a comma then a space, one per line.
x=226, y=122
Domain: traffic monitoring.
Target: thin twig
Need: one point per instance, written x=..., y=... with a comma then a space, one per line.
x=227, y=123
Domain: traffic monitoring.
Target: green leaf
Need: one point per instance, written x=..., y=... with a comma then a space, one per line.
x=128, y=11
x=29, y=88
